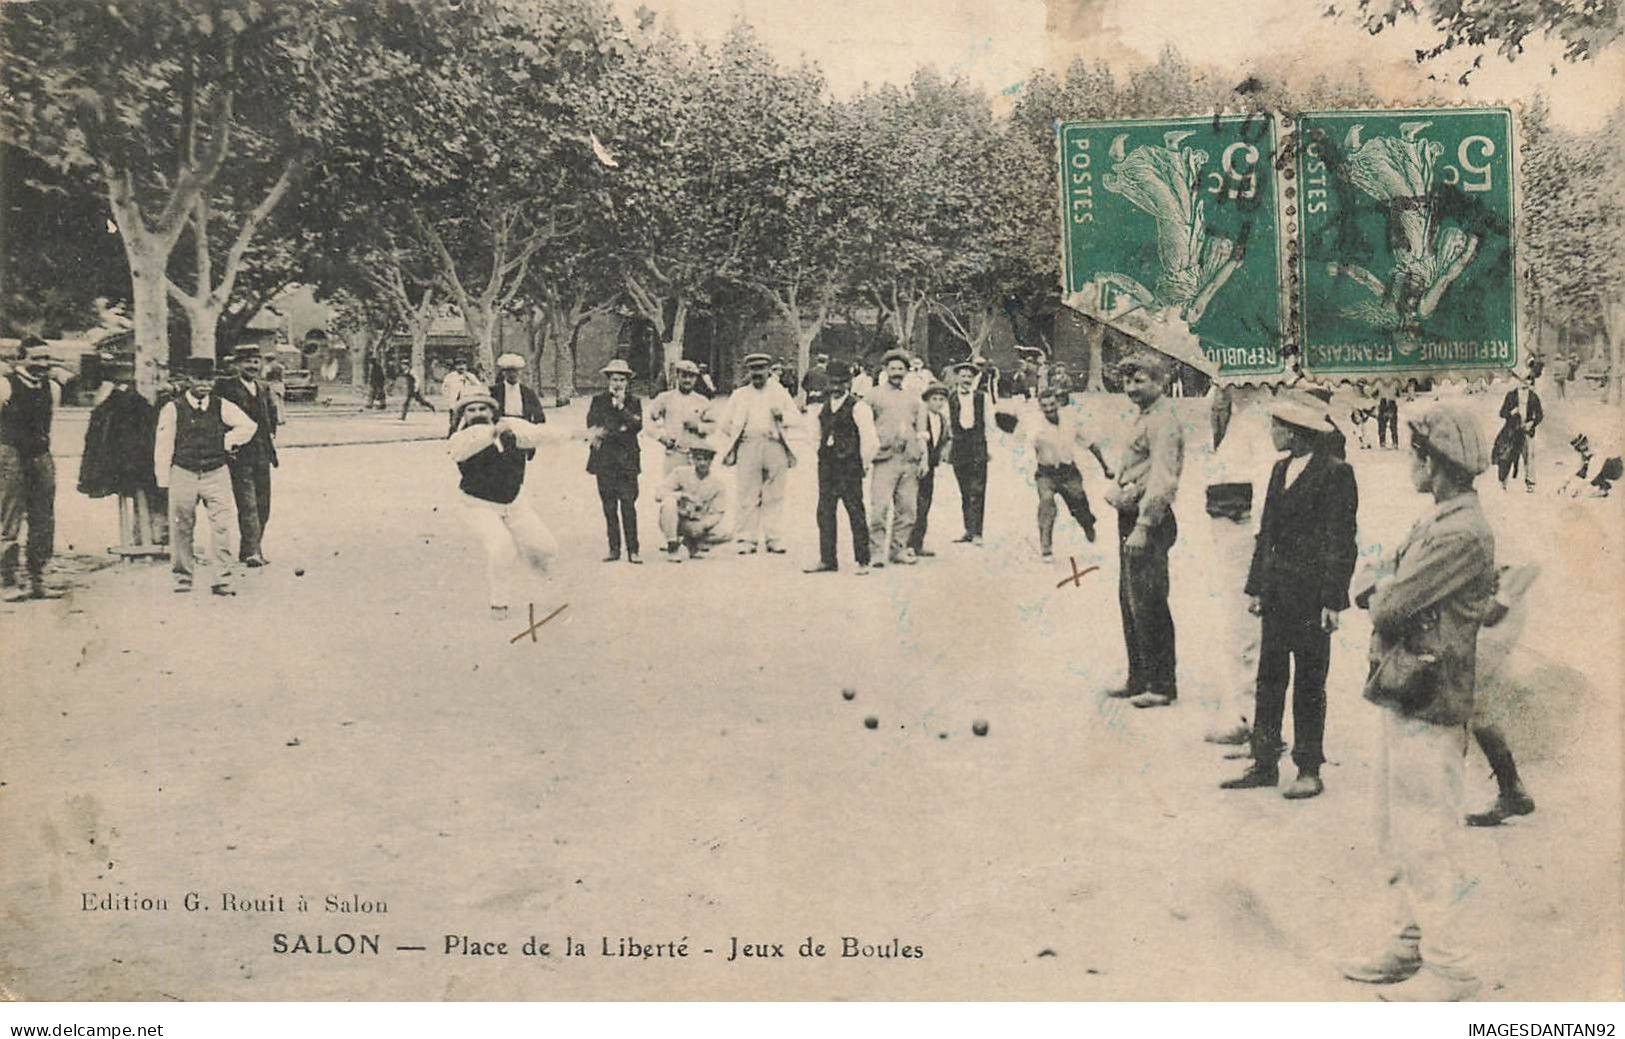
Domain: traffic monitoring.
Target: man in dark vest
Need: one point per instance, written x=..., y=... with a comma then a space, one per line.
x=199, y=432
x=28, y=396
x=490, y=452
x=251, y=468
x=968, y=412
x=847, y=442
x=1298, y=584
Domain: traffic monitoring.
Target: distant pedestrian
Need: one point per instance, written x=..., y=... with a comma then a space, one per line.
x=409, y=383
x=1387, y=420
x=377, y=381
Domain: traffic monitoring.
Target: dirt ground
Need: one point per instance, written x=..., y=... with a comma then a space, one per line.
x=672, y=761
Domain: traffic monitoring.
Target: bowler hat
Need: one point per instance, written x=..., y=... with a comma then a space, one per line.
x=617, y=367
x=200, y=367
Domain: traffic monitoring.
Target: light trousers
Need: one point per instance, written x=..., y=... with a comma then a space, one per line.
x=1237, y=672
x=1419, y=810
x=508, y=533
x=761, y=465
x=894, y=485
x=187, y=490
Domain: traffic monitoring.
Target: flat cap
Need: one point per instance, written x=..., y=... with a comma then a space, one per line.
x=1449, y=431
x=934, y=389
x=757, y=360
x=896, y=355
x=686, y=366
x=510, y=361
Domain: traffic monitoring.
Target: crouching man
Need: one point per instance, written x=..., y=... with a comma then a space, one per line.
x=691, y=497
x=491, y=454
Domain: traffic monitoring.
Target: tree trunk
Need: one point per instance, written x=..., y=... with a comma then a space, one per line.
x=149, y=299
x=360, y=343
x=1097, y=357
x=420, y=349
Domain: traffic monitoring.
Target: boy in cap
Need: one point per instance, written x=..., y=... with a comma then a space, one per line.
x=693, y=504
x=968, y=413
x=899, y=463
x=938, y=437
x=1143, y=494
x=757, y=446
x=490, y=451
x=29, y=394
x=198, y=434
x=1298, y=586
x=846, y=446
x=251, y=467
x=1427, y=604
x=614, y=420
x=679, y=415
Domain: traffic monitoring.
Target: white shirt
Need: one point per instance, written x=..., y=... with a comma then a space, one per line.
x=239, y=431
x=513, y=400
x=862, y=384
x=455, y=385
x=750, y=410
x=1295, y=465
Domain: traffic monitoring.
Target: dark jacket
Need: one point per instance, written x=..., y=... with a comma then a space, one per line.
x=118, y=446
x=259, y=407
x=1526, y=423
x=945, y=438
x=1306, y=548
x=532, y=403
x=618, y=451
x=971, y=444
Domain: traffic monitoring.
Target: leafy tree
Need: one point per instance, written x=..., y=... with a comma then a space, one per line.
x=1585, y=27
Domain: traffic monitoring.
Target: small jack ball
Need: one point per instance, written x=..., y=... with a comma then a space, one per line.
x=979, y=727
x=871, y=722
x=299, y=572
x=849, y=694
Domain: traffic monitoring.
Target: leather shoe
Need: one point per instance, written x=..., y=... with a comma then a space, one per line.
x=1305, y=786
x=1505, y=806
x=1252, y=779
x=1150, y=699
x=925, y=553
x=1431, y=985
x=1400, y=960
x=1123, y=692
x=1233, y=737
x=821, y=568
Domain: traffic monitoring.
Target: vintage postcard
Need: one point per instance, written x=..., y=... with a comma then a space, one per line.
x=1078, y=500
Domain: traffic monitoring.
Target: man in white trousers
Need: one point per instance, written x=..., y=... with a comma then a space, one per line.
x=758, y=448
x=490, y=453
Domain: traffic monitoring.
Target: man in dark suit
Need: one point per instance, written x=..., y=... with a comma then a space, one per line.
x=251, y=467
x=1298, y=584
x=513, y=397
x=847, y=443
x=939, y=434
x=1520, y=414
x=614, y=420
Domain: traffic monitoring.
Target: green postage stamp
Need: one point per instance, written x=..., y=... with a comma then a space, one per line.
x=1397, y=225
x=1172, y=231
x=1406, y=241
